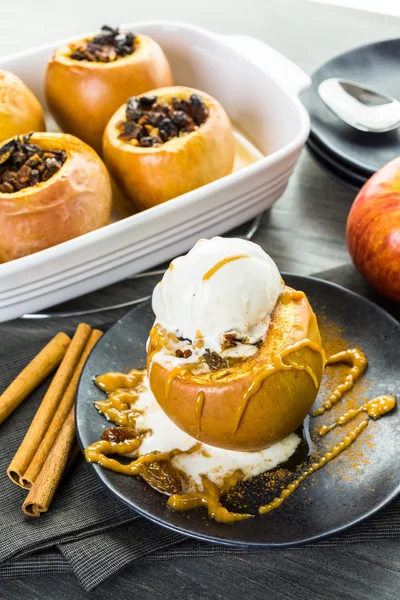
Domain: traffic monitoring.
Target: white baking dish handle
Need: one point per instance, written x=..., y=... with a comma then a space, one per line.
x=272, y=62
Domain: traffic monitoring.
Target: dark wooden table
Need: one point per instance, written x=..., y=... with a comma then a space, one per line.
x=304, y=233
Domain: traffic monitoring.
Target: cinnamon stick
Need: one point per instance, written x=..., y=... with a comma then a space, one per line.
x=60, y=416
x=48, y=407
x=33, y=374
x=40, y=496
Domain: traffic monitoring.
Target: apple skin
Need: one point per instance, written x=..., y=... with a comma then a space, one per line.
x=373, y=230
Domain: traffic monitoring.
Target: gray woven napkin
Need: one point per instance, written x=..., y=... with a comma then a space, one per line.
x=89, y=532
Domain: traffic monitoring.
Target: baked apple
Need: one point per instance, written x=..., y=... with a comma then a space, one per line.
x=53, y=188
x=87, y=80
x=166, y=143
x=20, y=111
x=235, y=357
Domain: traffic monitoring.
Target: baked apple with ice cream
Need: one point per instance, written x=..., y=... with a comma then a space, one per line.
x=168, y=142
x=235, y=356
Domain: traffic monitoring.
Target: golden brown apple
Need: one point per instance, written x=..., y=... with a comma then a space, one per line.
x=20, y=111
x=255, y=403
x=150, y=176
x=74, y=201
x=83, y=95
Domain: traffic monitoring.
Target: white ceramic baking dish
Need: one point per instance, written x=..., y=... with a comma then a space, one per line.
x=258, y=87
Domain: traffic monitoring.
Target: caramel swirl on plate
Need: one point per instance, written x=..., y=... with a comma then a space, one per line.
x=374, y=408
x=358, y=362
x=156, y=468
x=210, y=497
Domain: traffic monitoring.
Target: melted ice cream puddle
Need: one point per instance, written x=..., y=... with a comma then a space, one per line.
x=214, y=462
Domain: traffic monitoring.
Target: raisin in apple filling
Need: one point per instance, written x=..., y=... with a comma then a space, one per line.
x=203, y=355
x=107, y=46
x=150, y=122
x=23, y=164
x=233, y=349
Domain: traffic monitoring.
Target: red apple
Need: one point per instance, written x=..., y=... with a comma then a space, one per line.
x=373, y=230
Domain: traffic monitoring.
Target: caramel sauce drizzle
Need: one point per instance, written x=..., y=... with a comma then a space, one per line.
x=161, y=337
x=358, y=362
x=117, y=408
x=99, y=451
x=221, y=263
x=210, y=498
x=290, y=294
x=377, y=407
x=327, y=457
x=124, y=389
x=279, y=365
x=198, y=410
x=374, y=408
x=173, y=374
x=113, y=381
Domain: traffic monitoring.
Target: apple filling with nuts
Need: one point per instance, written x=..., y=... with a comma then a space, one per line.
x=23, y=164
x=150, y=122
x=107, y=46
x=167, y=142
x=204, y=355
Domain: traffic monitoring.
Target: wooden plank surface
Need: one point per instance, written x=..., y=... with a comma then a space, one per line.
x=304, y=233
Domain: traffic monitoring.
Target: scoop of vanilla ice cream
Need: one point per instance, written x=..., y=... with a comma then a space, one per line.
x=222, y=285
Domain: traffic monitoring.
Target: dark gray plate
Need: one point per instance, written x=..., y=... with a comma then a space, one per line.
x=328, y=502
x=376, y=66
x=338, y=170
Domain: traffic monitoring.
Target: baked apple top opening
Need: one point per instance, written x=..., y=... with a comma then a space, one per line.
x=234, y=358
x=152, y=121
x=229, y=356
x=214, y=306
x=197, y=151
x=107, y=46
x=196, y=357
x=24, y=164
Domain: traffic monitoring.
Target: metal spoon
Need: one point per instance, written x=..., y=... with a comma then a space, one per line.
x=359, y=106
